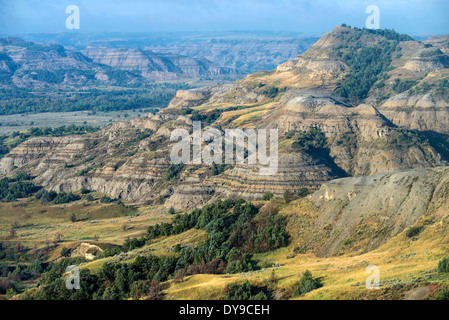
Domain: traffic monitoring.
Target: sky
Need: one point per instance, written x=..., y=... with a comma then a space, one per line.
x=413, y=17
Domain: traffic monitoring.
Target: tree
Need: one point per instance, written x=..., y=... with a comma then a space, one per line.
x=306, y=284
x=65, y=252
x=302, y=192
x=73, y=217
x=171, y=210
x=287, y=196
x=12, y=230
x=267, y=196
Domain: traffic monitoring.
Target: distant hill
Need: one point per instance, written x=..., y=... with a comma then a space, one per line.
x=28, y=64
x=245, y=51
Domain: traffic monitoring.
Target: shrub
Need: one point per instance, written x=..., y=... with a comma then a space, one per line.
x=65, y=197
x=306, y=284
x=443, y=265
x=413, y=231
x=106, y=199
x=302, y=192
x=443, y=294
x=244, y=291
x=65, y=252
x=287, y=196
x=173, y=171
x=267, y=196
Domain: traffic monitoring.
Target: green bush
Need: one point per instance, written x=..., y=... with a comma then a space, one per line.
x=443, y=294
x=306, y=284
x=302, y=192
x=310, y=140
x=267, y=196
x=413, y=231
x=443, y=265
x=244, y=291
x=65, y=197
x=173, y=171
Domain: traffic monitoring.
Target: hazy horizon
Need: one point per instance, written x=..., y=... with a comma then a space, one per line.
x=30, y=16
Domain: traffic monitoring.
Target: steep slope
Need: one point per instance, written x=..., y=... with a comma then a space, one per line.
x=328, y=105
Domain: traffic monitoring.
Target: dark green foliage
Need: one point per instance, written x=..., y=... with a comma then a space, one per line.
x=173, y=171
x=84, y=190
x=302, y=192
x=306, y=284
x=310, y=140
x=244, y=291
x=413, y=231
x=443, y=265
x=404, y=138
x=287, y=196
x=270, y=91
x=443, y=294
x=62, y=130
x=267, y=196
x=65, y=252
x=107, y=199
x=217, y=169
x=443, y=87
x=368, y=65
x=171, y=210
x=65, y=197
x=16, y=187
x=47, y=195
x=401, y=86
x=20, y=100
x=233, y=228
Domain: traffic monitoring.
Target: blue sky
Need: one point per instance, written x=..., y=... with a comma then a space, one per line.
x=34, y=16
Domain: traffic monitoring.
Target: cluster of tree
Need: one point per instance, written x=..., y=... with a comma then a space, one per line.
x=173, y=172
x=19, y=186
x=310, y=140
x=306, y=284
x=20, y=100
x=62, y=130
x=404, y=138
x=245, y=291
x=234, y=228
x=388, y=34
x=401, y=86
x=217, y=169
x=368, y=68
x=56, y=198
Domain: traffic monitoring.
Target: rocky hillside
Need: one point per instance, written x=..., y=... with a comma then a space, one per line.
x=157, y=66
x=46, y=66
x=245, y=51
x=338, y=107
x=361, y=213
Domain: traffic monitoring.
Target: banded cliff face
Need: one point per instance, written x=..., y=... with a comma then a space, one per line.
x=130, y=160
x=157, y=66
